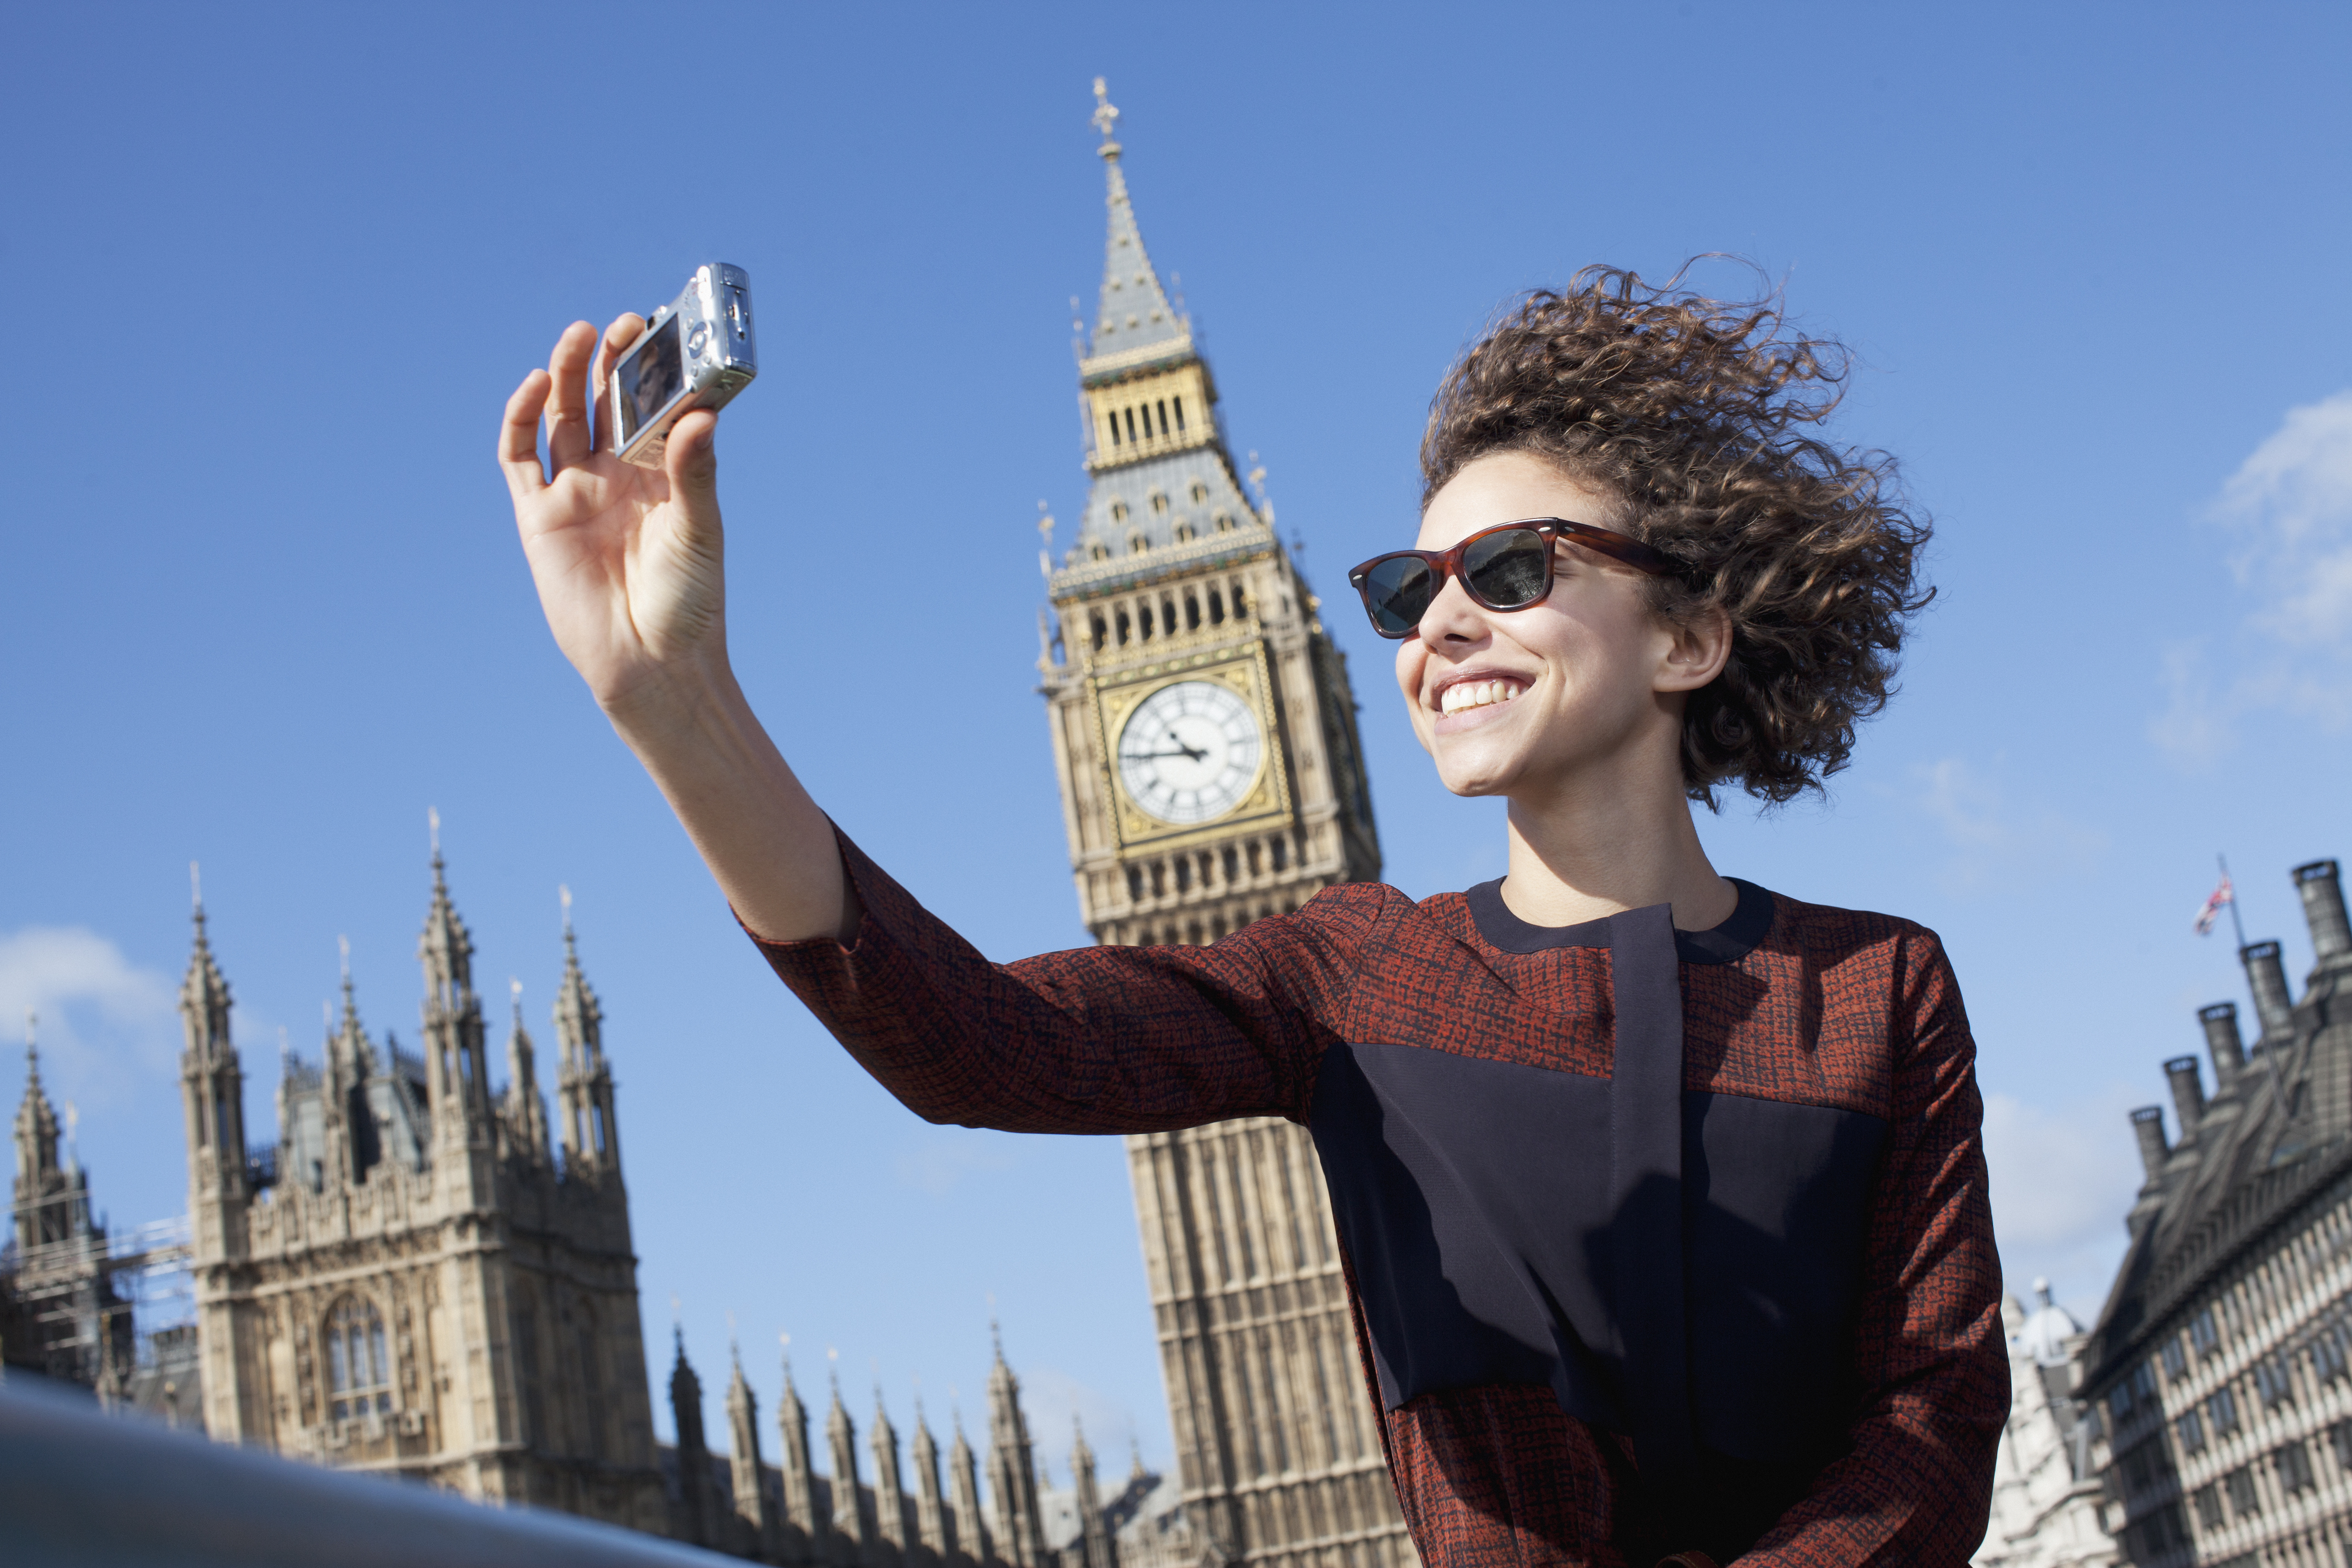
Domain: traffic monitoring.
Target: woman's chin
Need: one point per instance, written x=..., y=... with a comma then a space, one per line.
x=1472, y=776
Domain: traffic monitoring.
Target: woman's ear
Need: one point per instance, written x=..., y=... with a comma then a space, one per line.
x=1696, y=654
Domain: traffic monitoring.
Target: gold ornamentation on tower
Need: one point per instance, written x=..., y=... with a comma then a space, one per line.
x=1205, y=734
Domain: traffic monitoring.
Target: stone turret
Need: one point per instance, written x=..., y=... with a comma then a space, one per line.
x=1012, y=1471
x=2148, y=1125
x=591, y=1136
x=979, y=1545
x=751, y=1504
x=698, y=1510
x=457, y=1074
x=2223, y=1043
x=2188, y=1094
x=2266, y=977
x=805, y=1506
x=525, y=1111
x=852, y=1519
x=52, y=1202
x=2323, y=906
x=891, y=1534
x=934, y=1524
x=1095, y=1538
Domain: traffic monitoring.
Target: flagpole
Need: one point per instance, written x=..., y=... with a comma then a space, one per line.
x=2235, y=923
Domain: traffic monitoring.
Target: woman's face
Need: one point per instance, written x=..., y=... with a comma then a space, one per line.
x=1523, y=703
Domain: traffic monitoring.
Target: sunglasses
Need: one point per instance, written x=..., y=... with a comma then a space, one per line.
x=1506, y=567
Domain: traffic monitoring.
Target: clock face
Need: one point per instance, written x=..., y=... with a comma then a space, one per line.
x=1190, y=751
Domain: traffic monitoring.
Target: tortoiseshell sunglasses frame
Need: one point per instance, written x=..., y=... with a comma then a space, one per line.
x=1447, y=564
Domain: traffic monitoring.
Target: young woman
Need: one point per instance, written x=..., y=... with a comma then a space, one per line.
x=1661, y=1194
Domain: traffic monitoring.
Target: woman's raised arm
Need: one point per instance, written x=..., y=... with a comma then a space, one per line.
x=629, y=564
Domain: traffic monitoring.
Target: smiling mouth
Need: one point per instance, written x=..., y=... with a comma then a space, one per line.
x=1466, y=695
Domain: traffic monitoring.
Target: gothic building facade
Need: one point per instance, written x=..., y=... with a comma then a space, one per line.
x=422, y=1277
x=926, y=1516
x=2221, y=1363
x=1204, y=735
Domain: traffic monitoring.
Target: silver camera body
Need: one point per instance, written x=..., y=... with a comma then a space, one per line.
x=697, y=352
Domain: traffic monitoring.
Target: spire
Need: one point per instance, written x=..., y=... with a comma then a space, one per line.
x=591, y=1138
x=349, y=1039
x=1100, y=1549
x=37, y=1120
x=446, y=948
x=526, y=1112
x=578, y=1017
x=43, y=1194
x=802, y=1508
x=1134, y=312
x=694, y=1478
x=204, y=994
x=849, y=1511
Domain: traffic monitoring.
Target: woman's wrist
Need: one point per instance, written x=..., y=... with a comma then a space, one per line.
x=690, y=708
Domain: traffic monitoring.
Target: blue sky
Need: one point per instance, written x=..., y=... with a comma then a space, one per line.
x=265, y=605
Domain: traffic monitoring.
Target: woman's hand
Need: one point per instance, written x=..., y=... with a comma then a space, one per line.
x=628, y=561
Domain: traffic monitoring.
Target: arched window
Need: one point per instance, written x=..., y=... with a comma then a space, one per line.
x=358, y=1373
x=1136, y=545
x=1119, y=512
x=1159, y=502
x=1184, y=531
x=1224, y=523
x=1099, y=552
x=1200, y=491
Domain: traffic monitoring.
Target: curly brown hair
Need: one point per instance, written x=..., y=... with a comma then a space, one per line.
x=1693, y=412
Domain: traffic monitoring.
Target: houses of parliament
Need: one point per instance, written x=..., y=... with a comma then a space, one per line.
x=430, y=1274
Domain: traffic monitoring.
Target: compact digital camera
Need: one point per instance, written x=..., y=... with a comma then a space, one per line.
x=696, y=353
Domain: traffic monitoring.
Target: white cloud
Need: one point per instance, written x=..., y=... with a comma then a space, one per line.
x=1996, y=838
x=106, y=1023
x=2289, y=508
x=2062, y=1181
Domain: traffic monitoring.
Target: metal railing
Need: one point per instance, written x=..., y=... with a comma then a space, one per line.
x=79, y=1489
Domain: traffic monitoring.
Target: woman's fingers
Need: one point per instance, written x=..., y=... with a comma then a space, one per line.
x=568, y=437
x=691, y=460
x=519, y=438
x=624, y=331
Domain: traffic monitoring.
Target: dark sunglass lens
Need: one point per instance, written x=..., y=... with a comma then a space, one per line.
x=1397, y=591
x=1507, y=569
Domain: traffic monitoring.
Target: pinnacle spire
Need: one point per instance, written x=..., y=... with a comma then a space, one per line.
x=203, y=994
x=1134, y=313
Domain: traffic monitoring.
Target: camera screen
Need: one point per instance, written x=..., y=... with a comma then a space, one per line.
x=649, y=379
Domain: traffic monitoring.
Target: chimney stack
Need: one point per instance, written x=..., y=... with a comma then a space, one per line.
x=2148, y=1123
x=2229, y=1052
x=2323, y=906
x=2267, y=977
x=2188, y=1094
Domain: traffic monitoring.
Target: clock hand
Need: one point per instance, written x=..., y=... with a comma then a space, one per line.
x=1153, y=756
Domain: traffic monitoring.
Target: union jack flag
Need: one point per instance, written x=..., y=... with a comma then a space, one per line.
x=2211, y=910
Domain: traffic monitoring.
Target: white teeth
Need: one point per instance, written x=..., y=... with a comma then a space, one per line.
x=1464, y=694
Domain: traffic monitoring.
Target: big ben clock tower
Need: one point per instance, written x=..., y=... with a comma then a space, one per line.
x=1204, y=735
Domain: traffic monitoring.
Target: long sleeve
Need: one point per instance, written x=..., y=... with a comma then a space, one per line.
x=1102, y=1039
x=1917, y=1483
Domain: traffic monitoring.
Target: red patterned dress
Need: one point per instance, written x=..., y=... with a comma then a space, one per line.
x=1658, y=1241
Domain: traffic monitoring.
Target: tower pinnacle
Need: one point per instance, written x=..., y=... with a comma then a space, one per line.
x=1134, y=315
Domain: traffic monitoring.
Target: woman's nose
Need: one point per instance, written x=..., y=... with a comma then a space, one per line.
x=1452, y=616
